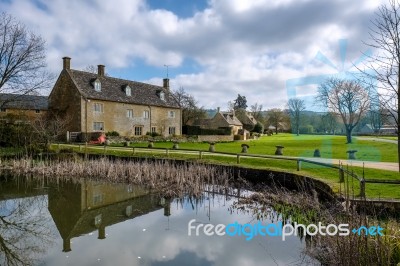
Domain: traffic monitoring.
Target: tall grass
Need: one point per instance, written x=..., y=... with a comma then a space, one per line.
x=172, y=180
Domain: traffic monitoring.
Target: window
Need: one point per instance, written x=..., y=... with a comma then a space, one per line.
x=129, y=113
x=98, y=107
x=171, y=114
x=171, y=130
x=146, y=114
x=3, y=110
x=97, y=85
x=37, y=111
x=138, y=131
x=162, y=96
x=98, y=126
x=128, y=91
x=153, y=129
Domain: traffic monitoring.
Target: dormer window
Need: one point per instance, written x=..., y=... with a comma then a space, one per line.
x=161, y=95
x=97, y=85
x=128, y=91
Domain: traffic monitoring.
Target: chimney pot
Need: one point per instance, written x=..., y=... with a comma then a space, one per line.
x=66, y=62
x=100, y=70
x=166, y=84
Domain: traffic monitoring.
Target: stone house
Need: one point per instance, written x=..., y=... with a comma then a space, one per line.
x=23, y=107
x=94, y=102
x=221, y=120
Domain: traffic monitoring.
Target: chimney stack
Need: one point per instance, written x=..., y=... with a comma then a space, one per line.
x=66, y=245
x=66, y=63
x=218, y=110
x=166, y=84
x=102, y=232
x=100, y=70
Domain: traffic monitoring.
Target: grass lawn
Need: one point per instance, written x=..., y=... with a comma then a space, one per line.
x=328, y=175
x=332, y=147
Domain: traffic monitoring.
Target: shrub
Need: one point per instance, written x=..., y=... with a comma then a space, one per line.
x=112, y=134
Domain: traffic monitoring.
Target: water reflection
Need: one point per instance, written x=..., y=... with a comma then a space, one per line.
x=119, y=224
x=24, y=236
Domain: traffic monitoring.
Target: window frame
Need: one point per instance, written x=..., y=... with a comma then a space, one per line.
x=98, y=107
x=128, y=91
x=97, y=85
x=171, y=130
x=138, y=131
x=100, y=124
x=146, y=114
x=129, y=113
x=171, y=114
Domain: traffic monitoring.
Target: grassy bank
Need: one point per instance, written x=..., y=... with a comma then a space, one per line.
x=328, y=175
x=332, y=147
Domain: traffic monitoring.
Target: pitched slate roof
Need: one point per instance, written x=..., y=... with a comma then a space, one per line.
x=112, y=89
x=26, y=102
x=231, y=118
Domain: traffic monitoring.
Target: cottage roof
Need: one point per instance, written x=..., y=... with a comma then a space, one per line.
x=112, y=89
x=26, y=102
x=231, y=118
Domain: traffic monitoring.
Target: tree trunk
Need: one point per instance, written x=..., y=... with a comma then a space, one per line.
x=348, y=135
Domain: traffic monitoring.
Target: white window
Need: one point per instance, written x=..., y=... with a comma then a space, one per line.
x=98, y=126
x=146, y=114
x=128, y=91
x=171, y=130
x=129, y=113
x=98, y=107
x=162, y=96
x=153, y=129
x=97, y=85
x=171, y=114
x=138, y=131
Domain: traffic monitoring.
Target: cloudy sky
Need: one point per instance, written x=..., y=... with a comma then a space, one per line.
x=214, y=49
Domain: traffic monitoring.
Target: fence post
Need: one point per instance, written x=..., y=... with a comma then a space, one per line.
x=105, y=149
x=58, y=147
x=200, y=154
x=238, y=159
x=133, y=150
x=167, y=152
x=298, y=165
x=362, y=187
x=341, y=174
x=80, y=148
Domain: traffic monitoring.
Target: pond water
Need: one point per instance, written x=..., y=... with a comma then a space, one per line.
x=94, y=223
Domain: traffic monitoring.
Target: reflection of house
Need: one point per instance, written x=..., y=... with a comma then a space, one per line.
x=88, y=206
x=96, y=102
x=23, y=106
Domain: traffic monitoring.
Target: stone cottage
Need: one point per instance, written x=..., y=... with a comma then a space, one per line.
x=95, y=102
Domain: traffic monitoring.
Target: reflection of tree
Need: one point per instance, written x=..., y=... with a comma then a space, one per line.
x=24, y=231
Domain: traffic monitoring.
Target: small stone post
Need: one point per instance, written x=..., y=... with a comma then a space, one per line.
x=279, y=150
x=244, y=148
x=212, y=147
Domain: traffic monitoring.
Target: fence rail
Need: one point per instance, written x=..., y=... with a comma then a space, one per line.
x=201, y=153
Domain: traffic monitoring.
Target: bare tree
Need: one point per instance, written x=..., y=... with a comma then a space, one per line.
x=22, y=59
x=296, y=106
x=189, y=105
x=385, y=36
x=347, y=98
x=275, y=117
x=329, y=122
x=256, y=111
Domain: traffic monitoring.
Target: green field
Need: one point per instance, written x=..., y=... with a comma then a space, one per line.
x=332, y=147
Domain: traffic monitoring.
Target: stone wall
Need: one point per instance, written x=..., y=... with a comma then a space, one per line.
x=114, y=117
x=215, y=138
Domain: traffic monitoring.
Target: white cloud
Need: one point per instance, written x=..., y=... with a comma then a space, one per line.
x=246, y=47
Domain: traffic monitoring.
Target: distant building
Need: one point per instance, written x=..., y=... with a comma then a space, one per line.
x=27, y=107
x=95, y=102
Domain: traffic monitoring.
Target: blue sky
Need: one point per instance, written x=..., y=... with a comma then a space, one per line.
x=215, y=49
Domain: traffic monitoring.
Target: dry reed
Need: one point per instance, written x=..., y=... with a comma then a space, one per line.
x=172, y=180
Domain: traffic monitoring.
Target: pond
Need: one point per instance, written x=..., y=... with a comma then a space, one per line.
x=95, y=223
